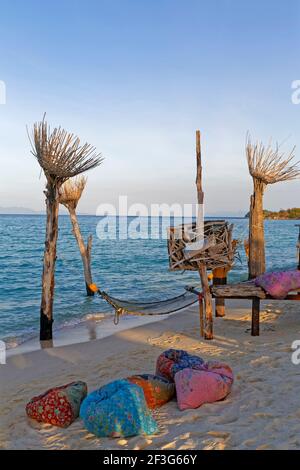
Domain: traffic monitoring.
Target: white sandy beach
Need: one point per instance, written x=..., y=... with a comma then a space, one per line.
x=262, y=412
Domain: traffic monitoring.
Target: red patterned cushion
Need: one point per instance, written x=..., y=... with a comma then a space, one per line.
x=58, y=406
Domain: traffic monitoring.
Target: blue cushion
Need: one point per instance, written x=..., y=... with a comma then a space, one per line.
x=117, y=409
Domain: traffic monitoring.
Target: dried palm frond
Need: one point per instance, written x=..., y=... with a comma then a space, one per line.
x=71, y=191
x=60, y=154
x=270, y=165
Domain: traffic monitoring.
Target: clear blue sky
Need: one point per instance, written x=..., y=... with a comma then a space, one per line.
x=136, y=78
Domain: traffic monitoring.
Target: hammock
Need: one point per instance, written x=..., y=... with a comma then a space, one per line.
x=160, y=307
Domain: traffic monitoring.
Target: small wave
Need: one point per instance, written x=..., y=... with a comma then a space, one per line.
x=96, y=316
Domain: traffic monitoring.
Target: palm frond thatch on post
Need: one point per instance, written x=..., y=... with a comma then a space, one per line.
x=69, y=196
x=71, y=191
x=61, y=157
x=267, y=165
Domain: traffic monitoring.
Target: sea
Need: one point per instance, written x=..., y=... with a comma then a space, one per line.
x=133, y=267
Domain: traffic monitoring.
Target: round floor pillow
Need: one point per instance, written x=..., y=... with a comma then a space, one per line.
x=174, y=360
x=196, y=387
x=157, y=390
x=117, y=409
x=220, y=368
x=58, y=406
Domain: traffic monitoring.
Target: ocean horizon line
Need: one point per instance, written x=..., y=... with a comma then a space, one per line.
x=43, y=214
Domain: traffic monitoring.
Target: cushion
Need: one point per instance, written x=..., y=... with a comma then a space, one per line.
x=173, y=360
x=195, y=387
x=157, y=390
x=279, y=284
x=58, y=406
x=117, y=409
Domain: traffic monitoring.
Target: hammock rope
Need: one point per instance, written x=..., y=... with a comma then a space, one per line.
x=159, y=307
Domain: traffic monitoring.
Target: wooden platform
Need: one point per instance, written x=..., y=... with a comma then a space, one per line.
x=249, y=291
x=244, y=290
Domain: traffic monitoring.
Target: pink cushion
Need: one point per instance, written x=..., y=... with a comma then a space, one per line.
x=195, y=387
x=219, y=368
x=279, y=284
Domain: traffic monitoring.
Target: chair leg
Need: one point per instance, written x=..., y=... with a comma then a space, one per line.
x=220, y=307
x=255, y=316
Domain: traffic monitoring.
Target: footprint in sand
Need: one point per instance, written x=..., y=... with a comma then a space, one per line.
x=269, y=328
x=213, y=445
x=229, y=418
x=286, y=349
x=219, y=434
x=270, y=361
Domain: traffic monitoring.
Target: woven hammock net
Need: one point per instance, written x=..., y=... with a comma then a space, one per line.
x=161, y=307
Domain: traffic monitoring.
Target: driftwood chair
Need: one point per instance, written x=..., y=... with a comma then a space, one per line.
x=217, y=255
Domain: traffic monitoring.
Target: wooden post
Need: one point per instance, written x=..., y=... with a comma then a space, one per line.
x=208, y=326
x=219, y=278
x=200, y=193
x=266, y=166
x=257, y=264
x=200, y=300
x=61, y=156
x=298, y=247
x=85, y=251
x=46, y=311
x=208, y=330
x=255, y=316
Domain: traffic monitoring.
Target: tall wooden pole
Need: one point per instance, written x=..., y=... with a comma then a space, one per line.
x=257, y=263
x=46, y=311
x=85, y=250
x=61, y=156
x=208, y=328
x=298, y=248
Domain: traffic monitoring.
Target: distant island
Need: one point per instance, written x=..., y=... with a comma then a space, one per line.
x=283, y=214
x=26, y=211
x=16, y=210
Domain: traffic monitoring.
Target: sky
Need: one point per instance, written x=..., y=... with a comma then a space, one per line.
x=136, y=78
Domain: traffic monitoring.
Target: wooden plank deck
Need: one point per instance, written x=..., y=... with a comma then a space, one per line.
x=248, y=291
x=245, y=291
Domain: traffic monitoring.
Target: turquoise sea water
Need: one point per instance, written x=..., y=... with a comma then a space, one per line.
x=132, y=268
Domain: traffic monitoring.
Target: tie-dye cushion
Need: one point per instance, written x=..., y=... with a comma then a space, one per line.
x=196, y=387
x=117, y=409
x=173, y=360
x=279, y=284
x=157, y=390
x=58, y=406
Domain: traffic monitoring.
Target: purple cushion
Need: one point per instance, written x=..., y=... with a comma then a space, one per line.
x=279, y=284
x=173, y=360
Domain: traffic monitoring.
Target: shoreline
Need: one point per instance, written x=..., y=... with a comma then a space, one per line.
x=99, y=326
